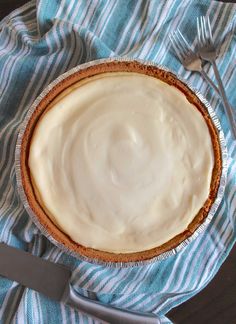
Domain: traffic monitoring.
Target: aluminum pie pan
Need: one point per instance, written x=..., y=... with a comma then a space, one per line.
x=165, y=254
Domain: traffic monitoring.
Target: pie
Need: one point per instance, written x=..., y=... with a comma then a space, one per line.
x=121, y=162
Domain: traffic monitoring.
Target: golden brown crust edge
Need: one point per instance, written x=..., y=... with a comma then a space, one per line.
x=46, y=222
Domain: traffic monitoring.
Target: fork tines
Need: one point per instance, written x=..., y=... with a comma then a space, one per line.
x=180, y=44
x=204, y=30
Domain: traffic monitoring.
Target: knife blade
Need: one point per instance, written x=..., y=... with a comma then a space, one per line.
x=53, y=280
x=33, y=272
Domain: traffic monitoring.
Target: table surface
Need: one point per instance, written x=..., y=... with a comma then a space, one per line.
x=216, y=304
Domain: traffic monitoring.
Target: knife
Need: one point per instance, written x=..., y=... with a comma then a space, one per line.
x=53, y=280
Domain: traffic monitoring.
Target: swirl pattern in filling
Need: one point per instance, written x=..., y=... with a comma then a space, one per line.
x=121, y=162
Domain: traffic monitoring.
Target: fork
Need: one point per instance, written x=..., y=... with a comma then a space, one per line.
x=208, y=52
x=190, y=59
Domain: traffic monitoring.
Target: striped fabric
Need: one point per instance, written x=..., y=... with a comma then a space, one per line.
x=40, y=41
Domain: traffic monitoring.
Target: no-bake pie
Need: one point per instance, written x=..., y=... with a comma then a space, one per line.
x=121, y=162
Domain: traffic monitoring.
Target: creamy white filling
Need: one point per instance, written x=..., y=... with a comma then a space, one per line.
x=121, y=162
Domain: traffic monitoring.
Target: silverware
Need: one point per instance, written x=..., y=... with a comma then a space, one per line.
x=190, y=59
x=53, y=280
x=208, y=51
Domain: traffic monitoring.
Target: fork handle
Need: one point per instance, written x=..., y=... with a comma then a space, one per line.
x=212, y=84
x=228, y=109
x=209, y=81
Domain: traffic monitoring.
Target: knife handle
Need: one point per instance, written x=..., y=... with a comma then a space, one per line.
x=52, y=280
x=107, y=313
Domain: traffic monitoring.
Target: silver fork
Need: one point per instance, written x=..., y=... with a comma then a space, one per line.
x=208, y=51
x=190, y=59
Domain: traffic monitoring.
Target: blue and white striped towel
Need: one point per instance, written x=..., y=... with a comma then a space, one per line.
x=40, y=41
